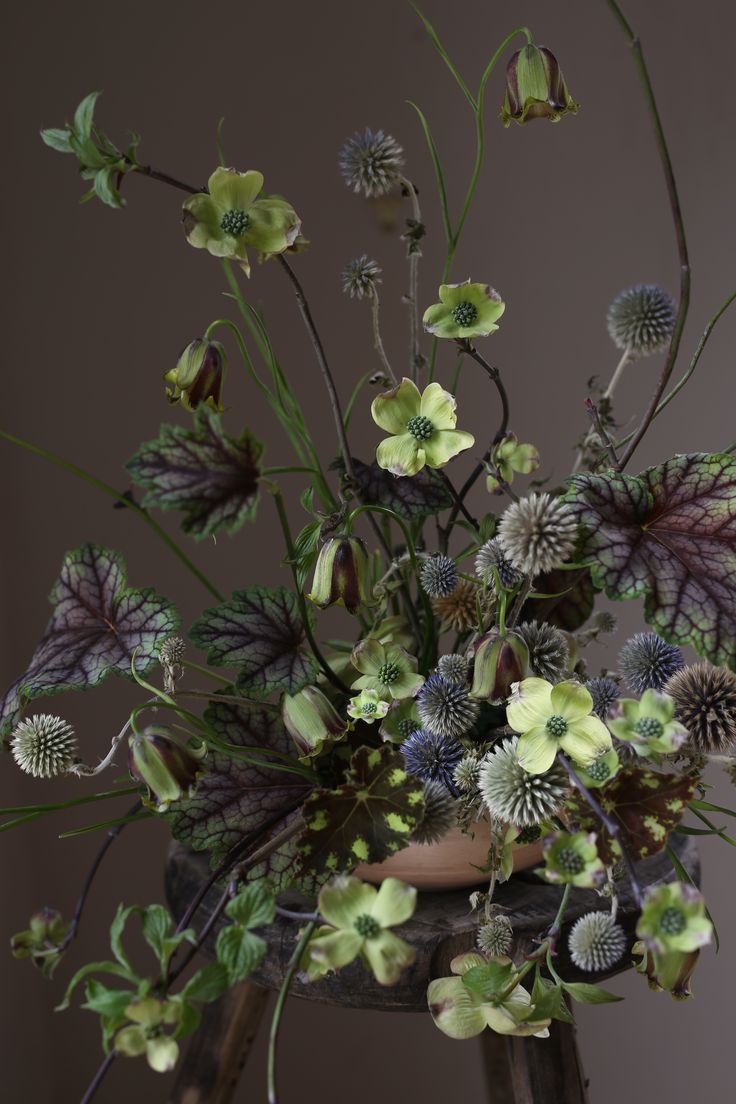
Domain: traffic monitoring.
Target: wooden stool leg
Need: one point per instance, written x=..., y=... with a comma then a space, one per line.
x=217, y=1052
x=535, y=1071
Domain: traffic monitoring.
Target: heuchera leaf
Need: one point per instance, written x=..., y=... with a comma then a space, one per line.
x=366, y=819
x=96, y=626
x=412, y=499
x=236, y=797
x=573, y=602
x=647, y=806
x=669, y=536
x=212, y=477
x=261, y=632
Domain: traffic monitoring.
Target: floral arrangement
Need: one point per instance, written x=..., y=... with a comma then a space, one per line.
x=460, y=698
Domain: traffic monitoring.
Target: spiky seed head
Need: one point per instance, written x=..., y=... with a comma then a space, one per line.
x=44, y=745
x=457, y=611
x=438, y=576
x=641, y=319
x=432, y=758
x=439, y=816
x=171, y=654
x=596, y=942
x=359, y=278
x=537, y=533
x=453, y=667
x=605, y=622
x=705, y=703
x=647, y=662
x=529, y=835
x=446, y=707
x=467, y=773
x=371, y=162
x=491, y=555
x=495, y=936
x=605, y=693
x=515, y=796
x=549, y=654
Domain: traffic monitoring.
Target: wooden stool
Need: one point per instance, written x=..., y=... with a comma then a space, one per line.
x=518, y=1070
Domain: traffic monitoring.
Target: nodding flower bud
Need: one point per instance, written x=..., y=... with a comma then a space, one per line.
x=535, y=87
x=198, y=375
x=165, y=763
x=311, y=720
x=341, y=574
x=500, y=660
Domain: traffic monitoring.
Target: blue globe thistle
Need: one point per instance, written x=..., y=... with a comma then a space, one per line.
x=360, y=277
x=453, y=667
x=641, y=319
x=596, y=942
x=438, y=576
x=647, y=662
x=605, y=693
x=491, y=555
x=439, y=816
x=371, y=162
x=446, y=707
x=432, y=758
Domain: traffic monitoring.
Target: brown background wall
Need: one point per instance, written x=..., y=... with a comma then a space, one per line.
x=98, y=304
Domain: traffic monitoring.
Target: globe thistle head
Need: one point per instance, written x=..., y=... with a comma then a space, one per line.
x=515, y=796
x=44, y=745
x=446, y=707
x=491, y=555
x=467, y=773
x=439, y=816
x=605, y=622
x=705, y=703
x=605, y=693
x=371, y=162
x=647, y=662
x=641, y=319
x=495, y=936
x=360, y=277
x=171, y=654
x=596, y=942
x=438, y=576
x=549, y=654
x=537, y=533
x=453, y=667
x=432, y=758
x=457, y=611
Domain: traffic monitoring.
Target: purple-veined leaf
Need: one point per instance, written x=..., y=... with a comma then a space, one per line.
x=97, y=625
x=422, y=495
x=668, y=536
x=571, y=602
x=259, y=631
x=211, y=477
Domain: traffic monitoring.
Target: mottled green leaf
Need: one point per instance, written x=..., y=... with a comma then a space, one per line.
x=422, y=495
x=212, y=477
x=259, y=631
x=668, y=536
x=366, y=819
x=96, y=627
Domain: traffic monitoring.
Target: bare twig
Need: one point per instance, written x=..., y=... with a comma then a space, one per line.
x=593, y=414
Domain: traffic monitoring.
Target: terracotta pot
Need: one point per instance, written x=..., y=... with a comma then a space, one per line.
x=450, y=864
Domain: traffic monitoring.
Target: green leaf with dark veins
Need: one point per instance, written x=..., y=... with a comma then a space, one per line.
x=366, y=819
x=239, y=951
x=212, y=477
x=96, y=627
x=424, y=495
x=254, y=906
x=668, y=536
x=259, y=631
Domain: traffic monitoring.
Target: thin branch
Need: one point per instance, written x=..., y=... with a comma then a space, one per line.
x=98, y=1078
x=377, y=339
x=297, y=953
x=415, y=353
x=593, y=414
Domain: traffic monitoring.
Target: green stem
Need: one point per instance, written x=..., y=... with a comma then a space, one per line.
x=415, y=352
x=377, y=345
x=545, y=946
x=189, y=666
x=119, y=497
x=291, y=969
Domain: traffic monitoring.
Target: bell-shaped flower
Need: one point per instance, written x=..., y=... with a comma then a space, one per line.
x=535, y=87
x=555, y=718
x=311, y=720
x=341, y=574
x=198, y=375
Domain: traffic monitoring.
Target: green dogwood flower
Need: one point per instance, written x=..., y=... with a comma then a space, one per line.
x=229, y=217
x=385, y=668
x=422, y=427
x=359, y=917
x=553, y=718
x=649, y=724
x=573, y=858
x=509, y=457
x=145, y=1035
x=400, y=721
x=462, y=1012
x=601, y=771
x=367, y=706
x=673, y=919
x=464, y=311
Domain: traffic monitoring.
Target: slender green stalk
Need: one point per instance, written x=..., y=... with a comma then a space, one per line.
x=544, y=947
x=377, y=344
x=291, y=969
x=415, y=352
x=93, y=481
x=188, y=665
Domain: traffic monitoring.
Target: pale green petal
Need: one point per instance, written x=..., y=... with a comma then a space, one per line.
x=439, y=406
x=227, y=246
x=344, y=900
x=201, y=220
x=394, y=903
x=571, y=701
x=455, y=1010
x=391, y=410
x=536, y=751
x=585, y=740
x=529, y=705
x=337, y=949
x=406, y=685
x=525, y=459
x=387, y=956
x=131, y=1041
x=438, y=320
x=401, y=455
x=621, y=728
x=162, y=1053
x=658, y=705
x=367, y=656
x=446, y=443
x=630, y=709
x=234, y=191
x=273, y=227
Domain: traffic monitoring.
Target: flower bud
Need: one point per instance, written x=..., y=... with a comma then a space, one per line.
x=341, y=574
x=535, y=87
x=165, y=763
x=500, y=661
x=670, y=972
x=198, y=375
x=311, y=720
x=42, y=941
